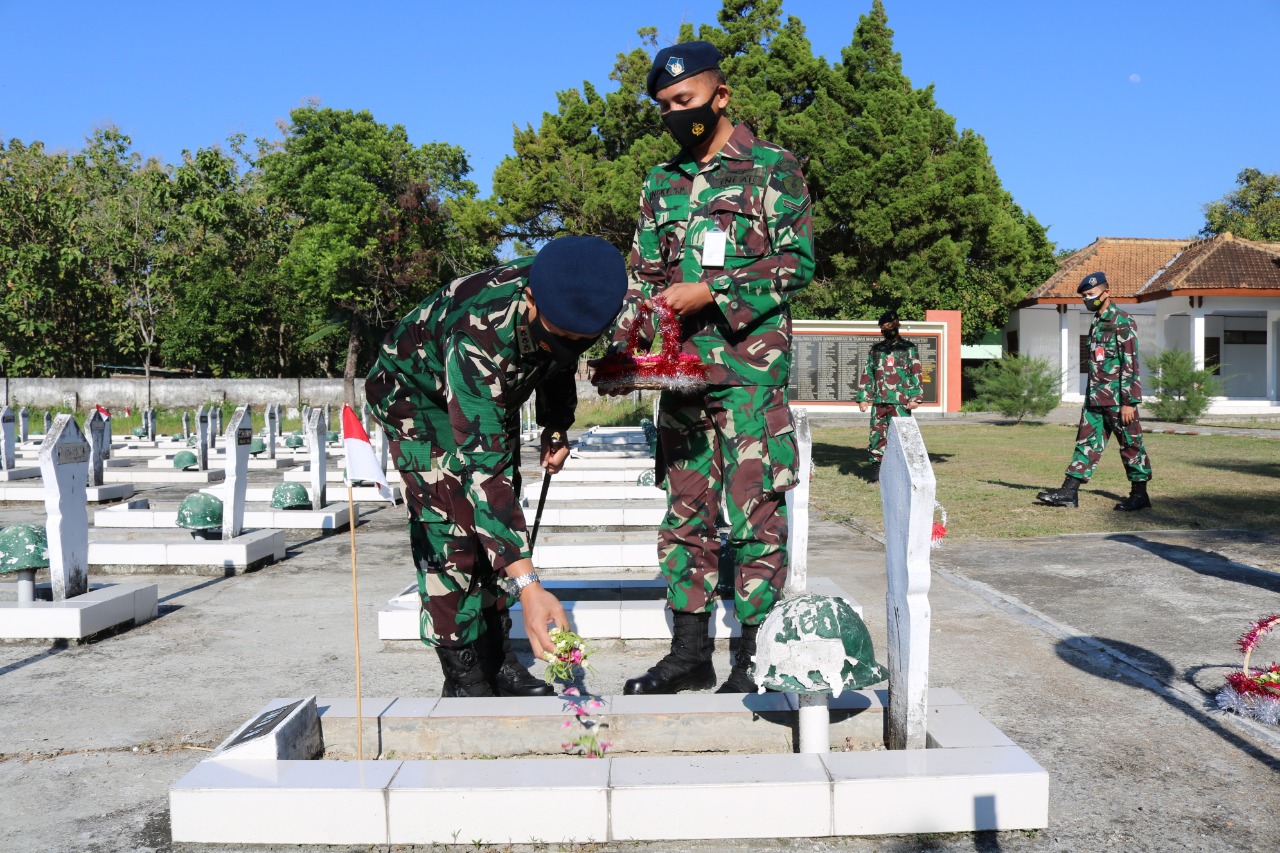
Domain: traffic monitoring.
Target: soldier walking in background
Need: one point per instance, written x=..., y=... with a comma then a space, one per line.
x=1111, y=402
x=725, y=237
x=889, y=384
x=448, y=386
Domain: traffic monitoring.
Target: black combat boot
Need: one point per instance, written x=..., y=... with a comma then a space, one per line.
x=1068, y=495
x=506, y=675
x=1137, y=498
x=874, y=476
x=688, y=665
x=463, y=672
x=739, y=680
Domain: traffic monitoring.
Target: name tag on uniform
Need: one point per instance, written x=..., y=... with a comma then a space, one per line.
x=713, y=245
x=1099, y=354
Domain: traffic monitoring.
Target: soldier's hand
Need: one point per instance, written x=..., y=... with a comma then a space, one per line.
x=862, y=407
x=541, y=609
x=688, y=297
x=1128, y=414
x=555, y=450
x=913, y=404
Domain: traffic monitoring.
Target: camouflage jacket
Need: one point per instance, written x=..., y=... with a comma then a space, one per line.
x=754, y=192
x=891, y=375
x=1113, y=360
x=448, y=385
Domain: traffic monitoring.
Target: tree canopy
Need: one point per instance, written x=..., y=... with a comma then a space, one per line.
x=1252, y=211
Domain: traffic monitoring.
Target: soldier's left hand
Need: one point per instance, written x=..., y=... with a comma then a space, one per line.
x=554, y=453
x=541, y=608
x=1128, y=414
x=913, y=404
x=688, y=297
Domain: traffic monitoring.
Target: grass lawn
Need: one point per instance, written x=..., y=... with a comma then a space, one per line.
x=988, y=477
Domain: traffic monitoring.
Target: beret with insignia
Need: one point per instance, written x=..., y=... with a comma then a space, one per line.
x=890, y=316
x=1092, y=280
x=680, y=61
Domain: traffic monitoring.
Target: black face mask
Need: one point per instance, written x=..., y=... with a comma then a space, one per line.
x=1094, y=303
x=564, y=351
x=693, y=126
x=889, y=333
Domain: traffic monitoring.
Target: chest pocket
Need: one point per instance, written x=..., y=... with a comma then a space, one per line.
x=742, y=217
x=671, y=219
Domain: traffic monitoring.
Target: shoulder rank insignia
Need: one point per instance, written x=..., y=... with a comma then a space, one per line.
x=525, y=340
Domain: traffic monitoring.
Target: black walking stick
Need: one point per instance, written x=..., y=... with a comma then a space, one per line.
x=557, y=440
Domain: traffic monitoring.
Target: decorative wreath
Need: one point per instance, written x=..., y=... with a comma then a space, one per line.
x=939, y=531
x=1254, y=692
x=669, y=370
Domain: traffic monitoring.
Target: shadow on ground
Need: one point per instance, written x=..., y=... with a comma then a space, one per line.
x=1204, y=562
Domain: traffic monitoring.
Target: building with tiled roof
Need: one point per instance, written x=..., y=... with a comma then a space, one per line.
x=1218, y=297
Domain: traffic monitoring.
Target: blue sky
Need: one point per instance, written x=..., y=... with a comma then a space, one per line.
x=1117, y=118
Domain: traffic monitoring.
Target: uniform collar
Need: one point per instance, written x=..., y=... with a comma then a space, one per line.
x=738, y=146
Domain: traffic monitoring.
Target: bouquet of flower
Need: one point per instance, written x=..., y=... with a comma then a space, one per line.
x=670, y=370
x=1254, y=693
x=570, y=652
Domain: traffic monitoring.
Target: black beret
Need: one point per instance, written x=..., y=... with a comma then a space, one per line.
x=675, y=63
x=1092, y=280
x=890, y=316
x=579, y=283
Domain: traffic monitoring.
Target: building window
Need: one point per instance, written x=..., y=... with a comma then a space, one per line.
x=1011, y=342
x=1213, y=355
x=1244, y=336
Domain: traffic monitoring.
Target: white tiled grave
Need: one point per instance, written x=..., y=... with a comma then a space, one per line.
x=218, y=459
x=93, y=494
x=103, y=607
x=302, y=474
x=628, y=609
x=643, y=513
x=971, y=778
x=142, y=474
x=139, y=514
x=8, y=475
x=162, y=551
x=359, y=494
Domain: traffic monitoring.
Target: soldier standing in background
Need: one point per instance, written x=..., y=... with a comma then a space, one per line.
x=725, y=237
x=448, y=386
x=1110, y=403
x=890, y=384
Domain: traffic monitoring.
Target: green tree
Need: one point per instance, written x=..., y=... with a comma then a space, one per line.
x=1017, y=386
x=366, y=231
x=1181, y=391
x=1252, y=211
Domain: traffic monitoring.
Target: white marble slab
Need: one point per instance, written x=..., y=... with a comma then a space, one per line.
x=103, y=607
x=247, y=549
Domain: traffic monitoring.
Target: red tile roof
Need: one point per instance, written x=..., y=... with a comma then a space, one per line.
x=1129, y=263
x=1222, y=262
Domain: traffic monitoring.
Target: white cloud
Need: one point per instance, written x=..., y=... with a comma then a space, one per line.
x=1135, y=78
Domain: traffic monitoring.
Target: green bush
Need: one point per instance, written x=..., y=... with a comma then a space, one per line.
x=1017, y=386
x=1180, y=393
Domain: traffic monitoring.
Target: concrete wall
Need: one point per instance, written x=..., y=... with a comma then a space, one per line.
x=81, y=394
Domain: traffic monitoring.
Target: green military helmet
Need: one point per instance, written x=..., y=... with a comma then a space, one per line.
x=294, y=440
x=184, y=459
x=140, y=432
x=177, y=436
x=331, y=437
x=23, y=546
x=200, y=511
x=192, y=439
x=646, y=478
x=815, y=644
x=290, y=495
x=257, y=446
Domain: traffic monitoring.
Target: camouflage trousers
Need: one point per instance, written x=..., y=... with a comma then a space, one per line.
x=880, y=415
x=1098, y=422
x=737, y=442
x=456, y=581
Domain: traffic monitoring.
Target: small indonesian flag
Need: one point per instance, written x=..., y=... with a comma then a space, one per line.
x=362, y=463
x=106, y=413
x=127, y=413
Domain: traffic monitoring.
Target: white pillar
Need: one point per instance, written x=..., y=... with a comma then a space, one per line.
x=1273, y=347
x=814, y=721
x=273, y=420
x=380, y=444
x=24, y=425
x=8, y=440
x=48, y=422
x=106, y=438
x=98, y=438
x=1068, y=376
x=202, y=438
x=64, y=467
x=186, y=425
x=238, y=438
x=907, y=489
x=798, y=510
x=319, y=457
x=1197, y=337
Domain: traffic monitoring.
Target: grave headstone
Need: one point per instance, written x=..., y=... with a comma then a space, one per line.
x=106, y=438
x=380, y=442
x=24, y=425
x=306, y=420
x=8, y=439
x=273, y=417
x=907, y=490
x=64, y=465
x=364, y=417
x=328, y=416
x=319, y=457
x=202, y=439
x=97, y=447
x=239, y=437
x=149, y=416
x=215, y=425
x=798, y=507
x=186, y=425
x=48, y=422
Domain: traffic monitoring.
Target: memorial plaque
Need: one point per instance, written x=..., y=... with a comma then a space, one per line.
x=69, y=453
x=825, y=367
x=263, y=724
x=244, y=436
x=8, y=418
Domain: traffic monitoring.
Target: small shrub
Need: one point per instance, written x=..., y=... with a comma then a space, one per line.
x=1180, y=392
x=1017, y=386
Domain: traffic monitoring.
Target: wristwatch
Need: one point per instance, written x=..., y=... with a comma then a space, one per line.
x=514, y=586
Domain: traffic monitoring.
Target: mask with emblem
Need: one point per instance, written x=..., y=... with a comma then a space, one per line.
x=1093, y=303
x=693, y=126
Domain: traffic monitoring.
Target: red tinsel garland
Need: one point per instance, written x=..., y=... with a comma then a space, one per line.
x=670, y=370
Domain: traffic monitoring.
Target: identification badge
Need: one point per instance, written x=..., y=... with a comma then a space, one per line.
x=1099, y=354
x=713, y=245
x=888, y=362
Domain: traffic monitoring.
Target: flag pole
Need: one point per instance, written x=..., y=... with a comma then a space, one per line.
x=355, y=621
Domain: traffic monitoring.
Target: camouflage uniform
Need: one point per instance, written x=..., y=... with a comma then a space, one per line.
x=1113, y=382
x=889, y=381
x=739, y=432
x=448, y=386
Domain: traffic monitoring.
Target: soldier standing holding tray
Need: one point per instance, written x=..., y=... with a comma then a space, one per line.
x=448, y=386
x=725, y=237
x=1110, y=404
x=890, y=383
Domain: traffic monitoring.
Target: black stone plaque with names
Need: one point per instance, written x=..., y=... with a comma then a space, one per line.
x=68, y=453
x=825, y=366
x=8, y=419
x=244, y=436
x=263, y=724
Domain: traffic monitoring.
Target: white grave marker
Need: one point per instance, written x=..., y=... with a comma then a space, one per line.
x=97, y=447
x=186, y=425
x=150, y=417
x=64, y=466
x=239, y=437
x=273, y=417
x=8, y=440
x=798, y=508
x=202, y=438
x=24, y=425
x=319, y=457
x=48, y=422
x=215, y=425
x=907, y=490
x=106, y=438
